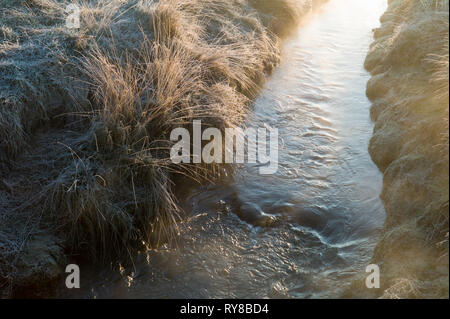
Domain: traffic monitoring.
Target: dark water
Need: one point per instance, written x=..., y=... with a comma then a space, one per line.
x=323, y=201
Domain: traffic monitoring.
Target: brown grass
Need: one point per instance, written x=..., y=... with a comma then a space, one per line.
x=409, y=88
x=132, y=73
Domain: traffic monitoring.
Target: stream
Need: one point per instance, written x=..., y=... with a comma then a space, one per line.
x=324, y=198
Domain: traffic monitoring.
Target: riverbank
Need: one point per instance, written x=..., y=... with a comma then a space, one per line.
x=85, y=117
x=409, y=90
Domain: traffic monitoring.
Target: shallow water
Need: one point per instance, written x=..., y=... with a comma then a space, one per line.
x=325, y=196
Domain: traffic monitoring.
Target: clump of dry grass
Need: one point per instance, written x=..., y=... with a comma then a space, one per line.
x=438, y=62
x=403, y=288
x=139, y=97
x=134, y=71
x=409, y=88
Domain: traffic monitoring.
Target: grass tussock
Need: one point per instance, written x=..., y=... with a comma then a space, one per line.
x=90, y=111
x=138, y=98
x=410, y=93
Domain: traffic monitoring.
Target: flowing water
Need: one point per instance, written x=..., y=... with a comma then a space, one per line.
x=324, y=198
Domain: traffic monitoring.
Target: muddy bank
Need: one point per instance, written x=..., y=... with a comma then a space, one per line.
x=409, y=90
x=85, y=116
